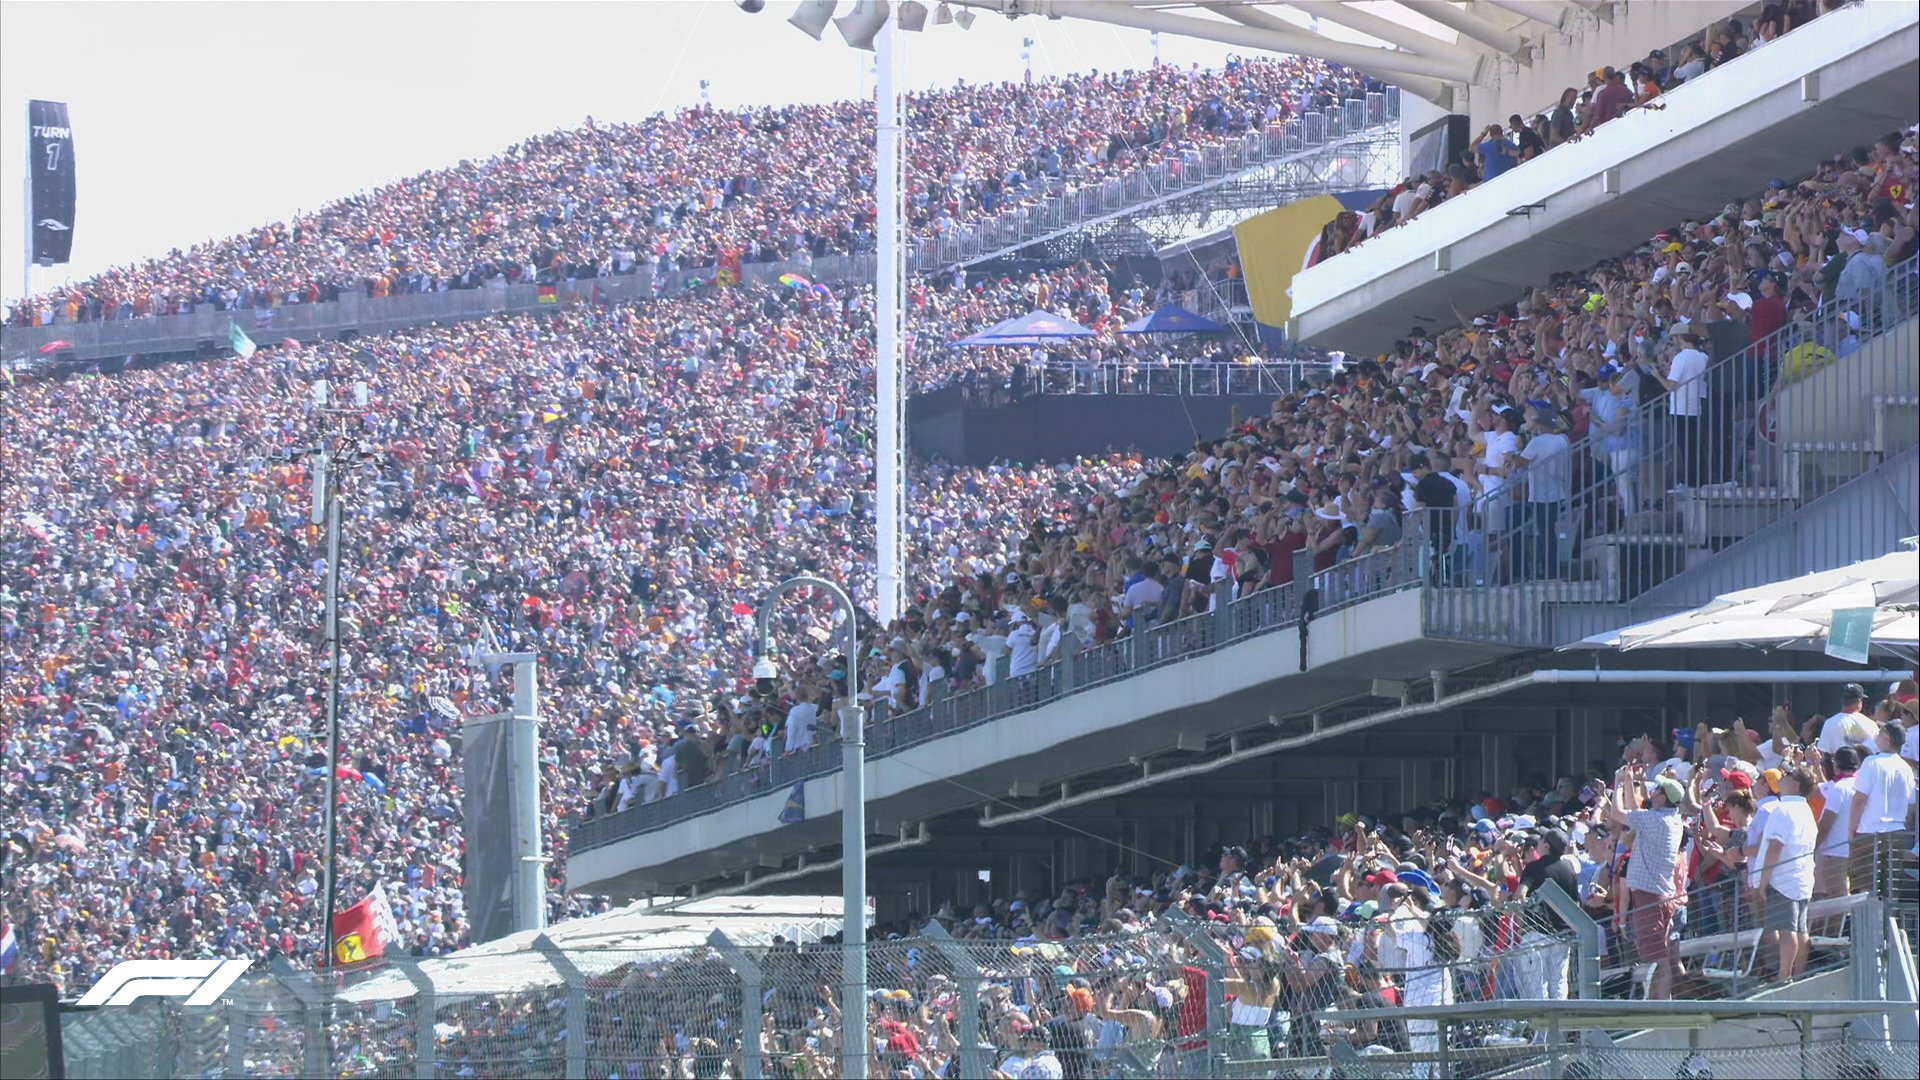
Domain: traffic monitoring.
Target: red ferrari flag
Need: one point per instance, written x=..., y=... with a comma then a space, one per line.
x=363, y=931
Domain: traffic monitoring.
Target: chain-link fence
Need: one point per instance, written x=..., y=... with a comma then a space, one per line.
x=1180, y=997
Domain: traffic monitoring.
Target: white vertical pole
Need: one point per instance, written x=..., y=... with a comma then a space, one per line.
x=889, y=362
x=529, y=868
x=330, y=493
x=26, y=209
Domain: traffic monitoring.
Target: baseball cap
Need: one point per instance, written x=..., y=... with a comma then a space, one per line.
x=1325, y=924
x=1672, y=790
x=1853, y=690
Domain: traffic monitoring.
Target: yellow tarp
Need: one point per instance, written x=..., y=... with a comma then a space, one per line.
x=1272, y=248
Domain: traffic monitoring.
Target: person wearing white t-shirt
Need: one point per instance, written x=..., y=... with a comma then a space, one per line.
x=1786, y=878
x=1023, y=645
x=1831, y=851
x=1686, y=395
x=1502, y=443
x=801, y=720
x=1851, y=725
x=1882, y=795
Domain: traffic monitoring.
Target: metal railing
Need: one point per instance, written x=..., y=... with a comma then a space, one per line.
x=207, y=325
x=1688, y=472
x=1266, y=611
x=1057, y=205
x=1066, y=206
x=1184, y=378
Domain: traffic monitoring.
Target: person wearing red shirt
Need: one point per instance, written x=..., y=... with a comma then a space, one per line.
x=1611, y=99
x=1769, y=308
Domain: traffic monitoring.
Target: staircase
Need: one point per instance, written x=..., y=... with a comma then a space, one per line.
x=1818, y=445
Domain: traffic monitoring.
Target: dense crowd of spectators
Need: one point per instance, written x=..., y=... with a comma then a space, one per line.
x=710, y=188
x=1469, y=433
x=1610, y=93
x=613, y=487
x=616, y=487
x=1684, y=837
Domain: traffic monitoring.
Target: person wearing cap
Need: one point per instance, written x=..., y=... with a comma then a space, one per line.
x=1851, y=726
x=1023, y=645
x=1652, y=868
x=1314, y=982
x=1883, y=798
x=1032, y=1058
x=1862, y=281
x=1784, y=850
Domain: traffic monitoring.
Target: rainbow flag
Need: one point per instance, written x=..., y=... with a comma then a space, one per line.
x=547, y=294
x=795, y=281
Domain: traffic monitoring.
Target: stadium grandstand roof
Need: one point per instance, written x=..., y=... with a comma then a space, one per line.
x=1424, y=46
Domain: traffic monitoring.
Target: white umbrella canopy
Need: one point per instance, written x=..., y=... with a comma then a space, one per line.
x=1793, y=613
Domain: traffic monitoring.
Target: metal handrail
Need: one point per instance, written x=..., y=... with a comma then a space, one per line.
x=1781, y=422
x=1269, y=610
x=1064, y=207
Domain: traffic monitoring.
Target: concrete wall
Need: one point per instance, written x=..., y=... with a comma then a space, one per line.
x=1835, y=403
x=1052, y=427
x=1584, y=43
x=1070, y=730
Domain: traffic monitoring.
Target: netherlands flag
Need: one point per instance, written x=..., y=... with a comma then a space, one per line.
x=9, y=948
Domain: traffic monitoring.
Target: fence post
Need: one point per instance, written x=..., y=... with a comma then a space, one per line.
x=576, y=983
x=423, y=1017
x=1068, y=654
x=315, y=1045
x=968, y=973
x=751, y=1001
x=1213, y=960
x=239, y=1029
x=1586, y=934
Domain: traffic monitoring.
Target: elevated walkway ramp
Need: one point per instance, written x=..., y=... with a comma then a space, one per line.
x=1840, y=82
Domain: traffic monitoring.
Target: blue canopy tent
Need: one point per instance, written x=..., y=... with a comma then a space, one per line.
x=1172, y=319
x=1033, y=328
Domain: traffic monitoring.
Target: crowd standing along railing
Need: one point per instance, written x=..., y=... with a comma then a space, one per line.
x=1689, y=471
x=1264, y=612
x=1058, y=205
x=1174, y=997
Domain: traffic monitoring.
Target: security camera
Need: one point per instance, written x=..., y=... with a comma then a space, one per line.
x=751, y=7
x=766, y=675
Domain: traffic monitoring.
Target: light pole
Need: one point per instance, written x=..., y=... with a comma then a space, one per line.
x=853, y=812
x=332, y=457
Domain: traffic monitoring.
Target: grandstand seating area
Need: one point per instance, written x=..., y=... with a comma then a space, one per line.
x=1609, y=93
x=615, y=486
x=709, y=190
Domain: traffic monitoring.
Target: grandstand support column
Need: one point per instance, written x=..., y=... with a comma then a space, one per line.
x=530, y=866
x=889, y=359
